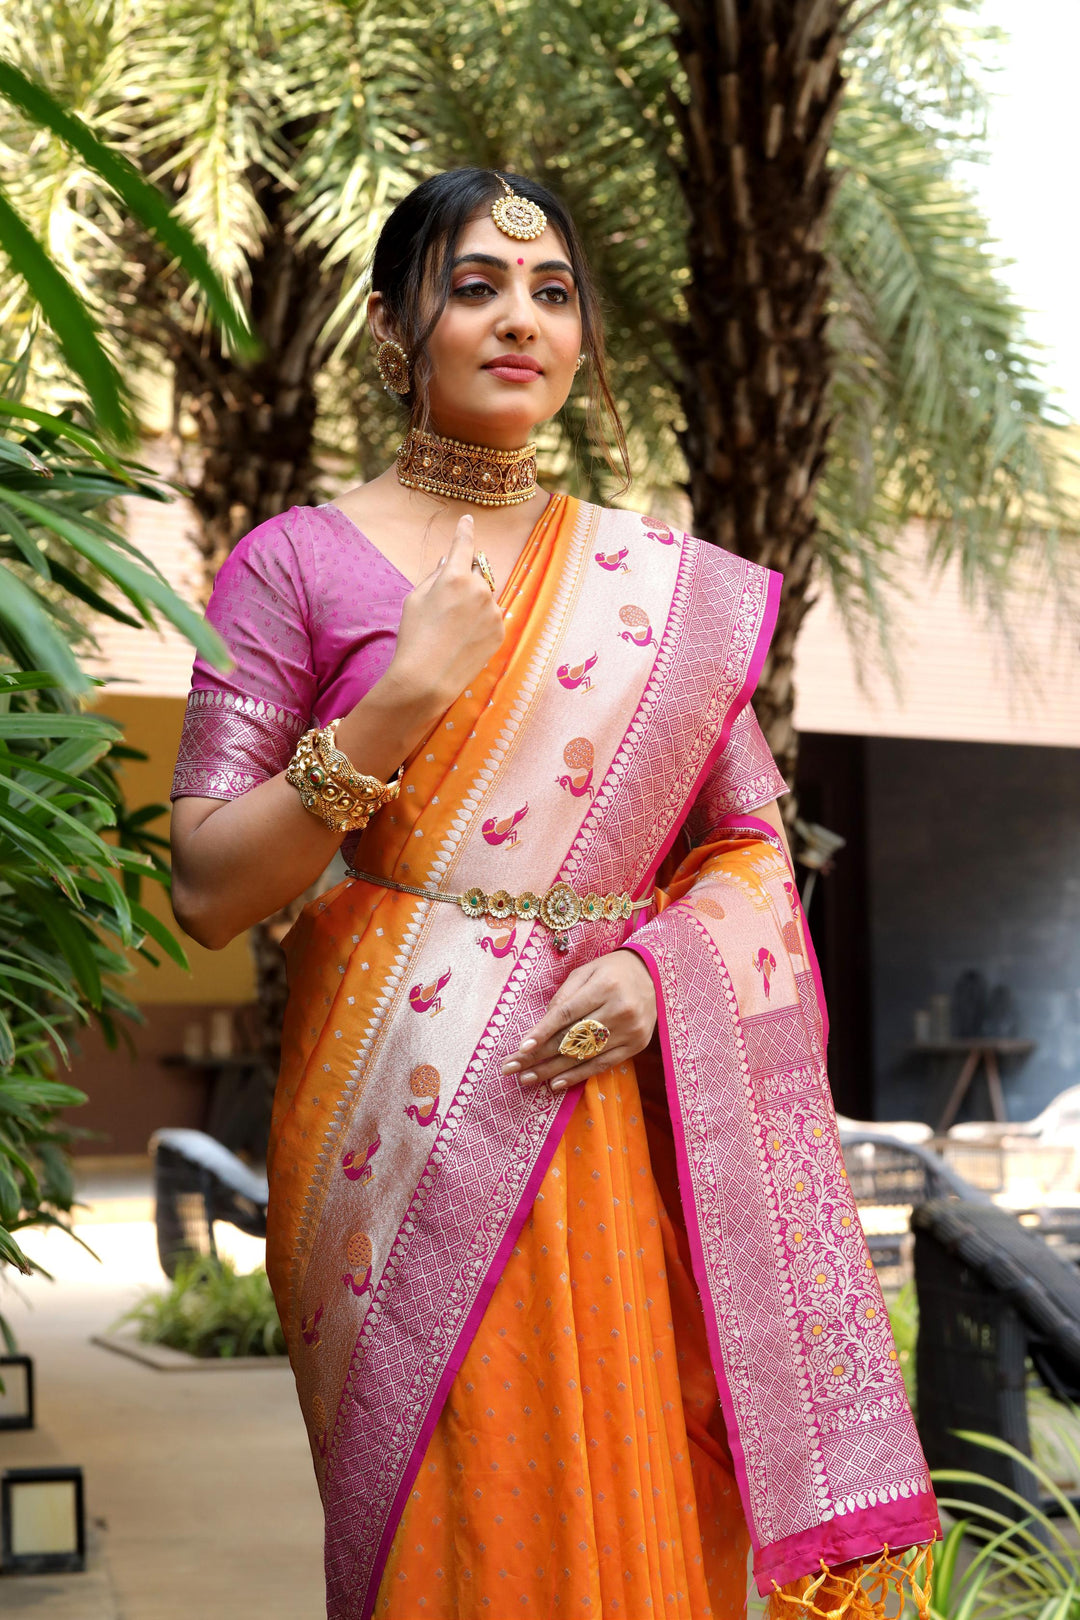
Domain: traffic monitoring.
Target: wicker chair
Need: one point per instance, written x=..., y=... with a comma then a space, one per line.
x=991, y=1294
x=888, y=1178
x=197, y=1181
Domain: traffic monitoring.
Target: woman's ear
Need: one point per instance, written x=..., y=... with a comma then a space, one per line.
x=378, y=320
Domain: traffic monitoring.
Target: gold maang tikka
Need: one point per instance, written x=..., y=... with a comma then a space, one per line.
x=516, y=216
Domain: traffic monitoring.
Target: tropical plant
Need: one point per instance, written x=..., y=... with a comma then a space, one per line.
x=35, y=273
x=808, y=328
x=70, y=907
x=280, y=134
x=1027, y=1562
x=211, y=1310
x=807, y=320
x=807, y=317
x=903, y=1307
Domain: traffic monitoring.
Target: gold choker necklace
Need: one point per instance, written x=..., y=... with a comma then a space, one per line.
x=467, y=472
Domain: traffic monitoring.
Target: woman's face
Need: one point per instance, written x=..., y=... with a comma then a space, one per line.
x=506, y=346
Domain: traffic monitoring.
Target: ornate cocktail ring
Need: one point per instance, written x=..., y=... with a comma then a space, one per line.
x=585, y=1039
x=480, y=561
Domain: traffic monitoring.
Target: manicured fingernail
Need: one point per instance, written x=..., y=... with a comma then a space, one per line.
x=527, y=1077
x=527, y=1044
x=558, y=1085
x=511, y=1068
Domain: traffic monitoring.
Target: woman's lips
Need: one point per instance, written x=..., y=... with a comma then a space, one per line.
x=518, y=371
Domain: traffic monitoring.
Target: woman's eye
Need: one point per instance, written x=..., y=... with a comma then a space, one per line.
x=557, y=294
x=469, y=289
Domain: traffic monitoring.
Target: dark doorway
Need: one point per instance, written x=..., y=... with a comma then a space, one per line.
x=832, y=790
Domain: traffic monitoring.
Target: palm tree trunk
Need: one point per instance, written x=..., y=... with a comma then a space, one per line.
x=256, y=452
x=257, y=421
x=764, y=89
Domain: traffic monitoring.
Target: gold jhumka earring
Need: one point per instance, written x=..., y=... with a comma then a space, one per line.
x=394, y=369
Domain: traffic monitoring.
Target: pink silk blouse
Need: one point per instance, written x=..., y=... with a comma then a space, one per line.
x=309, y=609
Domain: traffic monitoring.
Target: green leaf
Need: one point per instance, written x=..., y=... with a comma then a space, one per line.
x=7, y=1041
x=157, y=930
x=63, y=428
x=76, y=586
x=135, y=581
x=10, y=1251
x=69, y=318
x=74, y=942
x=143, y=200
x=945, y=1558
x=22, y=612
x=20, y=536
x=44, y=723
x=17, y=766
x=10, y=1196
x=27, y=680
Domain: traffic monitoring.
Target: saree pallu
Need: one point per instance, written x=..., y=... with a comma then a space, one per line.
x=403, y=1165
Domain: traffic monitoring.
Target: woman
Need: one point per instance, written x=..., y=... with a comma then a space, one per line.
x=574, y=1291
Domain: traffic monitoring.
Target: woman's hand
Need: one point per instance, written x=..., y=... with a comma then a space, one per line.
x=450, y=626
x=618, y=991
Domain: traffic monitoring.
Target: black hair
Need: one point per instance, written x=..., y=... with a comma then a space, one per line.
x=414, y=256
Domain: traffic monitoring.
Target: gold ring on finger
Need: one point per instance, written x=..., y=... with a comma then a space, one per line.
x=585, y=1039
x=480, y=561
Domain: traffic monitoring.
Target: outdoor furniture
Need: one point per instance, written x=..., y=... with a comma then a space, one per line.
x=1018, y=1170
x=197, y=1181
x=991, y=1294
x=237, y=1107
x=900, y=1130
x=976, y=1050
x=888, y=1178
x=1027, y=1163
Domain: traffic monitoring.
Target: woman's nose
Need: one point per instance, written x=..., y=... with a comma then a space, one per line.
x=518, y=323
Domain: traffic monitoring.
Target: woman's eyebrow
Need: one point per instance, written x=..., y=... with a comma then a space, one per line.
x=480, y=258
x=501, y=264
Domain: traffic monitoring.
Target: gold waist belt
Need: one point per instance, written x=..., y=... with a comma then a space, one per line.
x=560, y=909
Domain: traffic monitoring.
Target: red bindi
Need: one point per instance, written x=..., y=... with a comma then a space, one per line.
x=521, y=261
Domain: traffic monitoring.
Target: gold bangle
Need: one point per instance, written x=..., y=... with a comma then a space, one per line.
x=343, y=798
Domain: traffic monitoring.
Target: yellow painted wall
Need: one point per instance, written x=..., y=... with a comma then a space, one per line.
x=223, y=978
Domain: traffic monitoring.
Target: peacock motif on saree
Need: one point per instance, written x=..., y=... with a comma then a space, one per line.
x=359, y=1167
x=428, y=997
x=358, y=1256
x=638, y=629
x=577, y=677
x=580, y=756
x=424, y=1085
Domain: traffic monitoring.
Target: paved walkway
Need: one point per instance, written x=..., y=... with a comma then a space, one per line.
x=200, y=1492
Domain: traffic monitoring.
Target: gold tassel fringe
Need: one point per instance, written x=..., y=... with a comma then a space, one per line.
x=861, y=1591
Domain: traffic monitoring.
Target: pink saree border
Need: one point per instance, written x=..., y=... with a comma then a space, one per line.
x=693, y=1232
x=557, y=1126
x=743, y=695
x=698, y=681
x=855, y=1535
x=736, y=820
x=472, y=1321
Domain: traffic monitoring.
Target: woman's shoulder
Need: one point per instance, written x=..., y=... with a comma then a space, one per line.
x=276, y=550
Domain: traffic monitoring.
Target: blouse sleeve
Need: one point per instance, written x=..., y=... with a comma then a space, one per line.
x=744, y=777
x=241, y=727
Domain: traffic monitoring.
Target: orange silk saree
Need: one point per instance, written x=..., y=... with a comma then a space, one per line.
x=572, y=1355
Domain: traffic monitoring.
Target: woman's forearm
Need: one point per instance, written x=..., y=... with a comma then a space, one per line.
x=239, y=861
